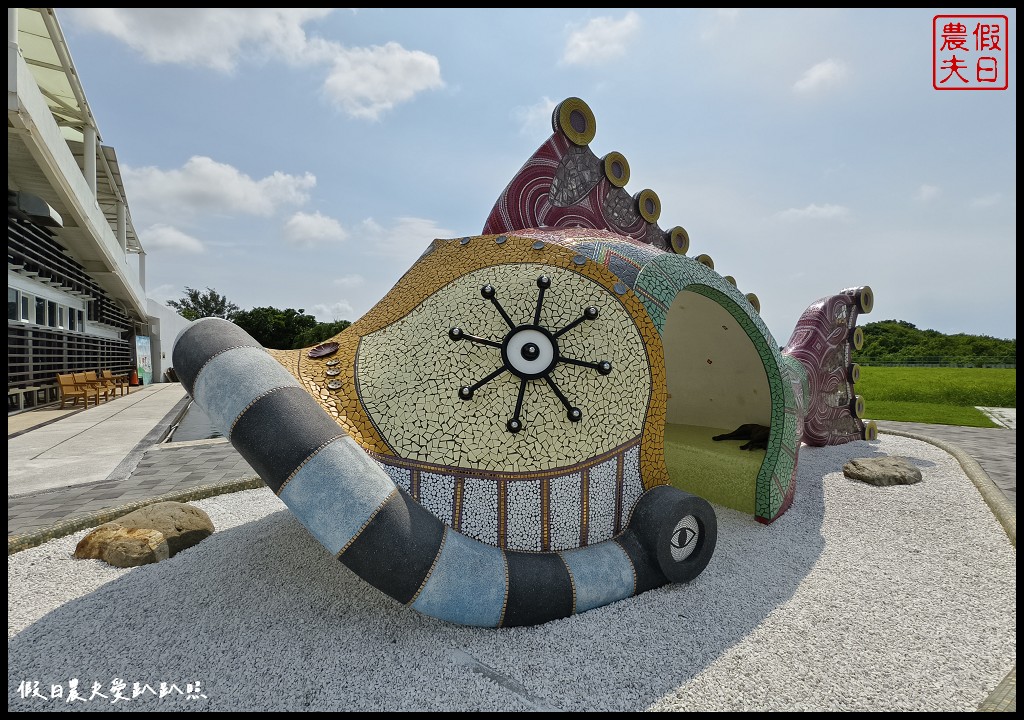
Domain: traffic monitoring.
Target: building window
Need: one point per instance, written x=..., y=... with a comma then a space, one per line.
x=26, y=304
x=40, y=311
x=81, y=321
x=60, y=316
x=12, y=304
x=51, y=313
x=71, y=319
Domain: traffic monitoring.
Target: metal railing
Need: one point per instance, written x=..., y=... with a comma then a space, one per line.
x=942, y=361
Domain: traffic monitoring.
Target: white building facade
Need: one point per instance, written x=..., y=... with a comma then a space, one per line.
x=76, y=269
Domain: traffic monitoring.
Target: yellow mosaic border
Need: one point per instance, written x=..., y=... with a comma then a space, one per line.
x=446, y=261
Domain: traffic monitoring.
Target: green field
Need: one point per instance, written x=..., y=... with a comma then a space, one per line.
x=940, y=396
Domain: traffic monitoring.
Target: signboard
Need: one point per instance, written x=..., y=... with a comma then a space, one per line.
x=143, y=359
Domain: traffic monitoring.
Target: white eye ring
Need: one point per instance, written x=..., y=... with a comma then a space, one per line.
x=684, y=538
x=545, y=352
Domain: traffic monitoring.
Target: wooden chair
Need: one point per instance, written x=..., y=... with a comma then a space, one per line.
x=119, y=382
x=107, y=388
x=72, y=390
x=83, y=380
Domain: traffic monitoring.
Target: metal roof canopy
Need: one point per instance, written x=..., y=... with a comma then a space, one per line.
x=45, y=51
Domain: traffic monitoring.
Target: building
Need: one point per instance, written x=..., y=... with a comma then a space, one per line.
x=76, y=268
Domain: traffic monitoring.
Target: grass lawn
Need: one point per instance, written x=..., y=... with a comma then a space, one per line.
x=940, y=396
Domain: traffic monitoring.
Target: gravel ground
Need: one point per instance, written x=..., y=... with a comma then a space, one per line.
x=857, y=599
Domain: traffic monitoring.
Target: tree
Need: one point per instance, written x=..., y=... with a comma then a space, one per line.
x=897, y=341
x=197, y=305
x=285, y=329
x=322, y=331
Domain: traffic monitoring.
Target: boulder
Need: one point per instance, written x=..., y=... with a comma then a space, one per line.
x=882, y=471
x=123, y=547
x=173, y=526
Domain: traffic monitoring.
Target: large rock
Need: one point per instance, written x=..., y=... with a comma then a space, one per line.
x=883, y=471
x=123, y=547
x=149, y=534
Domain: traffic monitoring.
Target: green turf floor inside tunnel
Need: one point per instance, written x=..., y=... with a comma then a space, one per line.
x=717, y=471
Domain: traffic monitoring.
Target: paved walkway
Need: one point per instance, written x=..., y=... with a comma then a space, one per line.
x=74, y=468
x=71, y=469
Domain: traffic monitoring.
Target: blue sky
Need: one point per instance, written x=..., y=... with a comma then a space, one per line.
x=304, y=158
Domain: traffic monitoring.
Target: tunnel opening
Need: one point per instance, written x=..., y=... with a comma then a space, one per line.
x=716, y=382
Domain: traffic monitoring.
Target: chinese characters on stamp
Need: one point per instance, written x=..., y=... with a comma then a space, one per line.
x=970, y=52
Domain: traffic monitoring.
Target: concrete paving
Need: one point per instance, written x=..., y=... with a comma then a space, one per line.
x=86, y=445
x=70, y=468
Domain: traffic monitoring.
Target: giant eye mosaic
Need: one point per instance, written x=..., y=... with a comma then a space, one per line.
x=530, y=352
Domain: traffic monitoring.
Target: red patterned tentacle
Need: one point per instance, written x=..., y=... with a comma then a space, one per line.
x=524, y=203
x=822, y=342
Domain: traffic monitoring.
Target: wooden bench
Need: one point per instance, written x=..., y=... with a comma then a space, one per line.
x=107, y=388
x=120, y=381
x=73, y=387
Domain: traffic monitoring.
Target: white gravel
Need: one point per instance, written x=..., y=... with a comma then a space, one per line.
x=857, y=599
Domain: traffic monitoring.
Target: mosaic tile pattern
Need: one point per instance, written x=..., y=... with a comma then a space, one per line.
x=478, y=515
x=390, y=402
x=486, y=444
x=624, y=259
x=776, y=480
x=822, y=343
x=632, y=488
x=603, y=493
x=449, y=260
x=800, y=384
x=540, y=512
x=565, y=511
x=524, y=518
x=414, y=401
x=565, y=185
x=656, y=278
x=574, y=177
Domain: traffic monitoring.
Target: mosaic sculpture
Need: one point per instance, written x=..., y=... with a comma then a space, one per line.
x=521, y=429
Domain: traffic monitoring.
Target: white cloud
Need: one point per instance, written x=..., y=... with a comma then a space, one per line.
x=365, y=82
x=202, y=185
x=535, y=119
x=165, y=237
x=601, y=40
x=309, y=230
x=349, y=281
x=824, y=74
x=986, y=201
x=209, y=37
x=404, y=241
x=340, y=310
x=814, y=212
x=927, y=192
